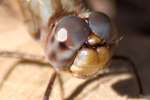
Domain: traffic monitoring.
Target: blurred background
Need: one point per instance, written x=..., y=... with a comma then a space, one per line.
x=28, y=81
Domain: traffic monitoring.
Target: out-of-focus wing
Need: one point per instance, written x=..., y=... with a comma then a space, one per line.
x=36, y=14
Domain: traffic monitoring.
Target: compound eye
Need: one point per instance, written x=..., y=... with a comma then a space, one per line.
x=72, y=31
x=100, y=24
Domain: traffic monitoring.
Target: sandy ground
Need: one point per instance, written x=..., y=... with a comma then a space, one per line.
x=28, y=81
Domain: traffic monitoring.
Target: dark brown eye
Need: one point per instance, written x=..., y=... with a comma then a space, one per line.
x=70, y=33
x=73, y=31
x=100, y=24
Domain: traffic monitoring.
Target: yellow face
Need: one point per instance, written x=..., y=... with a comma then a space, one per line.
x=89, y=60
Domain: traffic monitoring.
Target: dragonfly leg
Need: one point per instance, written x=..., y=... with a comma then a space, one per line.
x=23, y=56
x=50, y=86
x=8, y=73
x=13, y=66
x=134, y=69
x=61, y=86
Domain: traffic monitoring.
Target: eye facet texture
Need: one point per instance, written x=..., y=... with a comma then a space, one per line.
x=73, y=31
x=70, y=33
x=100, y=24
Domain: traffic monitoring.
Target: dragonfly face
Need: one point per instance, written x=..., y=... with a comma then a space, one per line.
x=79, y=45
x=73, y=42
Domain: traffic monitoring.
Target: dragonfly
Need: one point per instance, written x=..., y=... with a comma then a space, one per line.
x=75, y=38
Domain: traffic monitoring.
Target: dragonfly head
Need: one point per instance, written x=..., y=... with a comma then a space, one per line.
x=79, y=45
